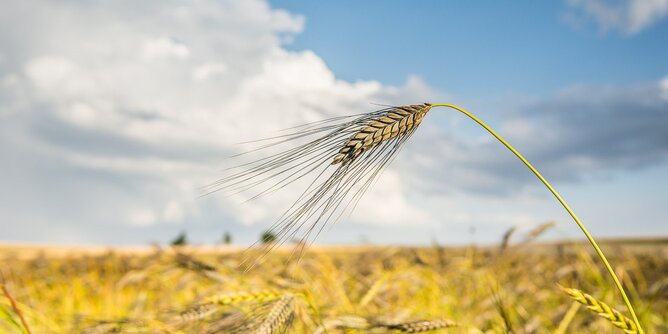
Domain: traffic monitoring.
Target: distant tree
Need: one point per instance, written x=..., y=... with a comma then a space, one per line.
x=268, y=237
x=180, y=240
x=227, y=238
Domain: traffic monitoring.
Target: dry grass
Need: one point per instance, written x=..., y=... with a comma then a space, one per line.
x=338, y=290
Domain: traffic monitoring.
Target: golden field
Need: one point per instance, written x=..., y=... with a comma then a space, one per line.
x=371, y=289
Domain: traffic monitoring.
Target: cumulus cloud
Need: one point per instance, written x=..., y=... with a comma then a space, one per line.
x=628, y=16
x=115, y=113
x=164, y=48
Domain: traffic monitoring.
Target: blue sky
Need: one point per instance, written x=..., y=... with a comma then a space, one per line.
x=519, y=47
x=114, y=115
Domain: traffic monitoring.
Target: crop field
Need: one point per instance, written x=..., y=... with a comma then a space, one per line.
x=333, y=167
x=511, y=288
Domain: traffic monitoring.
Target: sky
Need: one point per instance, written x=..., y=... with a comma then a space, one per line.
x=114, y=115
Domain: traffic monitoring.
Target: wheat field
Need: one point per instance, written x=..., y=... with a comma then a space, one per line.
x=517, y=287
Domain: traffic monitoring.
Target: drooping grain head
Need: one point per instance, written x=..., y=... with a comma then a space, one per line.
x=241, y=297
x=422, y=326
x=278, y=317
x=395, y=122
x=339, y=158
x=603, y=310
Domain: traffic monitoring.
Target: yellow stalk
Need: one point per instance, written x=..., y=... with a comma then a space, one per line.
x=563, y=203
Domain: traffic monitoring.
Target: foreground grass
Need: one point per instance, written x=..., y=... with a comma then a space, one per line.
x=331, y=290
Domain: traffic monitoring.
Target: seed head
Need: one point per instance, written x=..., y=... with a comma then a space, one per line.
x=391, y=124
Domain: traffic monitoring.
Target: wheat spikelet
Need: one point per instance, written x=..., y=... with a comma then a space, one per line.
x=395, y=122
x=505, y=240
x=279, y=315
x=119, y=326
x=421, y=326
x=354, y=322
x=602, y=310
x=213, y=304
x=224, y=324
x=199, y=312
x=268, y=318
x=188, y=262
x=343, y=322
x=538, y=231
x=241, y=297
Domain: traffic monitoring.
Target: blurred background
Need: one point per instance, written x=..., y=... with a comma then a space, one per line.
x=113, y=115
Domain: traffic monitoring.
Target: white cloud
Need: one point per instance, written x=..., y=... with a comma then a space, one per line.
x=573, y=136
x=144, y=217
x=173, y=212
x=115, y=113
x=164, y=47
x=629, y=16
x=56, y=78
x=663, y=86
x=208, y=70
x=394, y=209
x=140, y=102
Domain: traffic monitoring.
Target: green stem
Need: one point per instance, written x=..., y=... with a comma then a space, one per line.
x=563, y=203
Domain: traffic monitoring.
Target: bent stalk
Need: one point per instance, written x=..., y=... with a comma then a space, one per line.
x=563, y=203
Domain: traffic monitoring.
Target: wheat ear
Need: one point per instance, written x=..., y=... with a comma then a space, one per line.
x=241, y=297
x=563, y=203
x=342, y=162
x=394, y=123
x=602, y=310
x=343, y=322
x=278, y=316
x=354, y=322
x=198, y=312
x=505, y=241
x=538, y=231
x=421, y=326
x=212, y=304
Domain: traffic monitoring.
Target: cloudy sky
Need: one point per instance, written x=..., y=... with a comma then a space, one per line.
x=114, y=114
